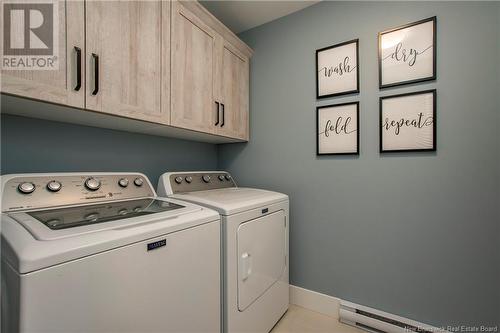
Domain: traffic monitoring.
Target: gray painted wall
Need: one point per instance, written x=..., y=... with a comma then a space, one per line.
x=32, y=145
x=412, y=234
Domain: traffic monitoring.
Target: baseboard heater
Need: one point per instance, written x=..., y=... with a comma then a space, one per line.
x=376, y=321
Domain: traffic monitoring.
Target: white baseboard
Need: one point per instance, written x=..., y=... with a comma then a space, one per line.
x=314, y=301
x=330, y=306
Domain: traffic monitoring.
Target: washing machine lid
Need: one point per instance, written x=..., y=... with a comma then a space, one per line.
x=70, y=221
x=29, y=243
x=76, y=216
x=228, y=201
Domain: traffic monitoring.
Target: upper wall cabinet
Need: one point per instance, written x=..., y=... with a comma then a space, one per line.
x=193, y=71
x=66, y=84
x=165, y=66
x=124, y=58
x=209, y=74
x=233, y=87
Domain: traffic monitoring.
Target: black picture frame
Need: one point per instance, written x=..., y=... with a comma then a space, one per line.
x=318, y=108
x=434, y=131
x=353, y=91
x=434, y=54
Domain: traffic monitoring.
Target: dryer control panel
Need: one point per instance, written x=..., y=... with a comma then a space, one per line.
x=29, y=191
x=181, y=182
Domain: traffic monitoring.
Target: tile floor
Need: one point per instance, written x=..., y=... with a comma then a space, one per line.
x=301, y=320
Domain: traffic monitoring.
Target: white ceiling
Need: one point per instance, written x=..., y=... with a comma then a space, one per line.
x=243, y=15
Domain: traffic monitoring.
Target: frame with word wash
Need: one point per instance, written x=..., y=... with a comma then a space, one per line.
x=337, y=69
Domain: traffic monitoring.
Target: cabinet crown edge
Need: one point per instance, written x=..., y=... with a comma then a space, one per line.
x=218, y=26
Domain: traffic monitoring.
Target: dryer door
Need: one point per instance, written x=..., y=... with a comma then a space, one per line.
x=261, y=256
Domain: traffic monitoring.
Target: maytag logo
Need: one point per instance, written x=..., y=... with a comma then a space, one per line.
x=157, y=244
x=30, y=35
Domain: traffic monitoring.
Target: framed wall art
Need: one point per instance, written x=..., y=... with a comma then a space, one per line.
x=337, y=69
x=407, y=54
x=337, y=129
x=408, y=122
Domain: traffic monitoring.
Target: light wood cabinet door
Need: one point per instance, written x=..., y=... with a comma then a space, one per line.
x=193, y=67
x=124, y=41
x=59, y=85
x=234, y=92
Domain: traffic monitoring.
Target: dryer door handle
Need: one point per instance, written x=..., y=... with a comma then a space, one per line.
x=246, y=265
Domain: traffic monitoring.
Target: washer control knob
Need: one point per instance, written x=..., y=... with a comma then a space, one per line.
x=92, y=184
x=26, y=187
x=123, y=182
x=178, y=179
x=138, y=181
x=206, y=178
x=189, y=179
x=54, y=186
x=221, y=178
x=228, y=177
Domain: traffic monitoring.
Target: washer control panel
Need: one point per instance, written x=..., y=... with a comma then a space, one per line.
x=200, y=181
x=29, y=191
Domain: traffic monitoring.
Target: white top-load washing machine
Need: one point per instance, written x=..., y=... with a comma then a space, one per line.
x=99, y=252
x=255, y=245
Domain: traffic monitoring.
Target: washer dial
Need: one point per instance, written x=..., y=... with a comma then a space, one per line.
x=92, y=184
x=54, y=186
x=26, y=188
x=123, y=182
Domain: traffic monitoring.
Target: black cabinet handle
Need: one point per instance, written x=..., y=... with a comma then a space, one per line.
x=96, y=73
x=217, y=122
x=78, y=68
x=223, y=115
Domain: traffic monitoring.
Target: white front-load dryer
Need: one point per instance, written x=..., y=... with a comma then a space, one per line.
x=254, y=231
